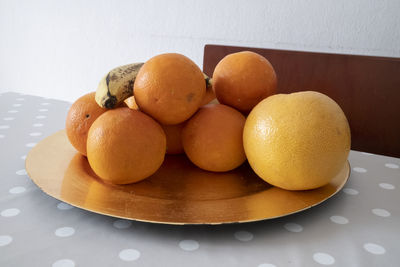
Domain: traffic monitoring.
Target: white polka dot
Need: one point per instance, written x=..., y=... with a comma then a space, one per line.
x=189, y=245
x=64, y=206
x=293, y=227
x=5, y=240
x=350, y=191
x=17, y=105
x=9, y=118
x=4, y=126
x=359, y=169
x=122, y=224
x=17, y=190
x=2, y=135
x=392, y=165
x=40, y=117
x=64, y=263
x=387, y=186
x=374, y=248
x=13, y=111
x=266, y=265
x=30, y=145
x=64, y=231
x=243, y=236
x=129, y=255
x=323, y=258
x=10, y=212
x=381, y=212
x=21, y=172
x=339, y=219
x=45, y=104
x=20, y=99
x=43, y=110
x=23, y=157
x=35, y=134
x=37, y=125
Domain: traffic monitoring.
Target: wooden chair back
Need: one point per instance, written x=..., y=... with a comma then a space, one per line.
x=367, y=88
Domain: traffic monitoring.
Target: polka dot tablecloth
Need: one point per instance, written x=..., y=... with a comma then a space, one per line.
x=360, y=226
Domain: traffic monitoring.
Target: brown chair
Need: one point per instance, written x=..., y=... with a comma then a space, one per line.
x=366, y=87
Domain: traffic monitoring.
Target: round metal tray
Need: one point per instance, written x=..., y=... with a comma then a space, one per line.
x=178, y=193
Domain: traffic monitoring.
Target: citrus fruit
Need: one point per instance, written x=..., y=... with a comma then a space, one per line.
x=125, y=146
x=208, y=96
x=212, y=138
x=174, y=138
x=241, y=80
x=82, y=113
x=297, y=141
x=170, y=88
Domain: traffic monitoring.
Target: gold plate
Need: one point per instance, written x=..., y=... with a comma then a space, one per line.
x=178, y=193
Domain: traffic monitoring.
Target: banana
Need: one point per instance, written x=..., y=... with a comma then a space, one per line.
x=208, y=81
x=117, y=85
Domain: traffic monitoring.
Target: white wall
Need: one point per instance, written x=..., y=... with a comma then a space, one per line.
x=61, y=48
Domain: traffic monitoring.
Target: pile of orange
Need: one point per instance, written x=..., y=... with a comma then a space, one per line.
x=284, y=137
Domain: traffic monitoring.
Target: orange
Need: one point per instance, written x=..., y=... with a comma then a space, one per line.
x=174, y=138
x=297, y=141
x=80, y=117
x=170, y=88
x=212, y=138
x=172, y=132
x=209, y=95
x=125, y=146
x=241, y=80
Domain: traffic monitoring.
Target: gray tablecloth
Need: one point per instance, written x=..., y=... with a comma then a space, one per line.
x=360, y=226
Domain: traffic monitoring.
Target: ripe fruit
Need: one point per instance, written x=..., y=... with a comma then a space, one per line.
x=241, y=80
x=170, y=88
x=174, y=138
x=125, y=146
x=117, y=85
x=297, y=141
x=209, y=95
x=81, y=115
x=212, y=138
